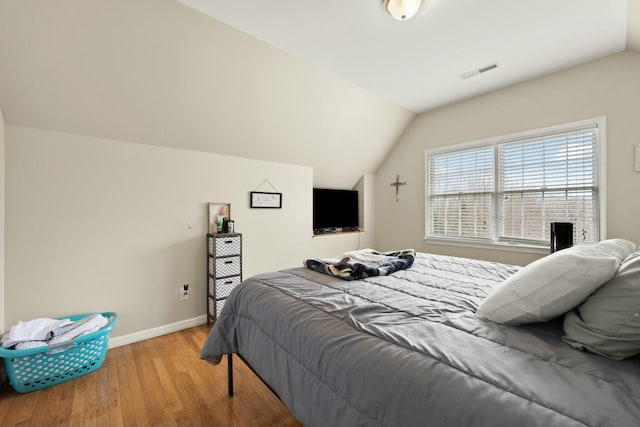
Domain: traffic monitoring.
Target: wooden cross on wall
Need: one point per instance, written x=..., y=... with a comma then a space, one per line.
x=398, y=183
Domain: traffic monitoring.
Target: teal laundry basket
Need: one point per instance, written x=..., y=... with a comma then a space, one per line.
x=37, y=368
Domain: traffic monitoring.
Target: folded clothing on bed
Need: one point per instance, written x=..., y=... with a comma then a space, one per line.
x=357, y=265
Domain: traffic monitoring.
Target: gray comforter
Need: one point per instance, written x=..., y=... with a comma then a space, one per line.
x=407, y=350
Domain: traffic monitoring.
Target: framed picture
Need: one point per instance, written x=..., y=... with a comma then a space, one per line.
x=260, y=199
x=217, y=213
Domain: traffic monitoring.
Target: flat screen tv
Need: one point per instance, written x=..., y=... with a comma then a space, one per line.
x=334, y=210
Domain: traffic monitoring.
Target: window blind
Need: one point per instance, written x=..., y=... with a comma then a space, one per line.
x=461, y=186
x=548, y=179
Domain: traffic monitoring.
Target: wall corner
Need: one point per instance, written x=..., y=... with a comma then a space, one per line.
x=2, y=218
x=2, y=208
x=366, y=205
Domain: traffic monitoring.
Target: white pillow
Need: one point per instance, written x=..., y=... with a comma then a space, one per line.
x=608, y=322
x=555, y=284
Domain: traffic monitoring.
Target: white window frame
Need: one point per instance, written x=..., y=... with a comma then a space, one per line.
x=599, y=123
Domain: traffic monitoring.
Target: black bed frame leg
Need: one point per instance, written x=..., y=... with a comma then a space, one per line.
x=230, y=373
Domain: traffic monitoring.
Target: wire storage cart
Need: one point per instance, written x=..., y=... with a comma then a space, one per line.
x=37, y=368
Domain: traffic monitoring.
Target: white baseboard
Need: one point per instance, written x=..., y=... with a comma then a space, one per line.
x=157, y=331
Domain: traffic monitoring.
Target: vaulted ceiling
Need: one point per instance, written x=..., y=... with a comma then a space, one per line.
x=330, y=85
x=423, y=63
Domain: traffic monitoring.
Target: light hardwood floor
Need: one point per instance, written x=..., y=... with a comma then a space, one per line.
x=157, y=382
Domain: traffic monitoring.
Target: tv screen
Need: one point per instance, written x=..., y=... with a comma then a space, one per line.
x=334, y=209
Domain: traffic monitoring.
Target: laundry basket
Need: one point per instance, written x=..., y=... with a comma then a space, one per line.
x=36, y=368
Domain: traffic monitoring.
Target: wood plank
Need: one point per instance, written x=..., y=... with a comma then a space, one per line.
x=58, y=405
x=77, y=406
x=22, y=409
x=90, y=410
x=5, y=404
x=127, y=409
x=140, y=416
x=102, y=395
x=114, y=410
x=149, y=384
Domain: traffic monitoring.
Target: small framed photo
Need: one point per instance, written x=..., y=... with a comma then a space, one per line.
x=217, y=214
x=260, y=199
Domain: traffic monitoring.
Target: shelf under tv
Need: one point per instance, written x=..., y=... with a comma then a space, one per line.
x=336, y=230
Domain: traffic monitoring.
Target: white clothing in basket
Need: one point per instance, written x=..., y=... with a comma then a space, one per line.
x=43, y=331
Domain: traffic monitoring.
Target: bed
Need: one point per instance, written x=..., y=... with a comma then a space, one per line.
x=407, y=349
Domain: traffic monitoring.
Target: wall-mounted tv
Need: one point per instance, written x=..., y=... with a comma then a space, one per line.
x=334, y=210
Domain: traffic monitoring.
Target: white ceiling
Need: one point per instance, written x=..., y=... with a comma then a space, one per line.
x=417, y=63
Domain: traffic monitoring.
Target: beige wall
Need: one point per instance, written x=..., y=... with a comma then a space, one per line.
x=366, y=206
x=608, y=87
x=157, y=72
x=2, y=215
x=101, y=225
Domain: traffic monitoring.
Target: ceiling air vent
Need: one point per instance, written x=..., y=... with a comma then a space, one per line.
x=478, y=71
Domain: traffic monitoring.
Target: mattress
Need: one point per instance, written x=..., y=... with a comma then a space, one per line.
x=407, y=349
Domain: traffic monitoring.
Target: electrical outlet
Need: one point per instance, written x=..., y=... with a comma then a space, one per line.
x=185, y=292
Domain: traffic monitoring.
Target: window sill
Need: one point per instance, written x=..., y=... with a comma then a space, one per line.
x=502, y=246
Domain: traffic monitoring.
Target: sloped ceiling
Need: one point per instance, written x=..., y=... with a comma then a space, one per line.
x=162, y=73
x=633, y=26
x=158, y=72
x=418, y=63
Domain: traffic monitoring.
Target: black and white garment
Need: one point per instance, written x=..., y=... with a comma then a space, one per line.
x=364, y=263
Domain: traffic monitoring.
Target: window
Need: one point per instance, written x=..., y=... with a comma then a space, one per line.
x=507, y=190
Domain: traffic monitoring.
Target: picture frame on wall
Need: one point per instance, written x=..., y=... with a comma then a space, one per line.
x=262, y=199
x=218, y=212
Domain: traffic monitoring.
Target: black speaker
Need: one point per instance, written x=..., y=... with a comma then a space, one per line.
x=561, y=235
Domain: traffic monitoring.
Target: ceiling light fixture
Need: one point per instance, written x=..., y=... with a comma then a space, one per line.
x=402, y=10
